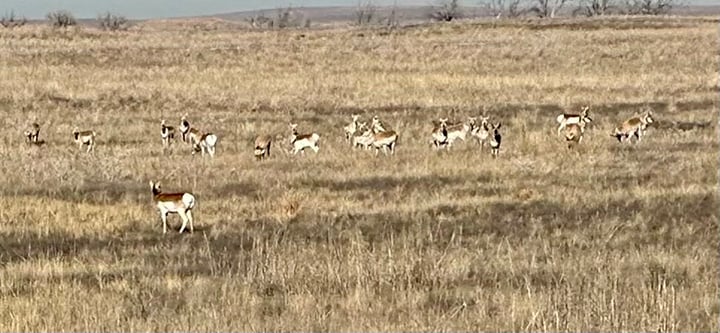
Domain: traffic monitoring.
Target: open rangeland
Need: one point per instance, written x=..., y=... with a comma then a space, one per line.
x=605, y=236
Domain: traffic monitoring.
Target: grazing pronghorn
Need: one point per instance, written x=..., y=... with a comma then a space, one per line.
x=167, y=133
x=460, y=131
x=574, y=133
x=84, y=138
x=205, y=142
x=184, y=128
x=573, y=118
x=33, y=134
x=634, y=126
x=262, y=146
x=482, y=132
x=364, y=140
x=383, y=138
x=301, y=141
x=495, y=140
x=351, y=128
x=439, y=133
x=180, y=203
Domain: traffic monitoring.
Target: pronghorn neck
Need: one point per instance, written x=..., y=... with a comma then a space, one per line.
x=294, y=135
x=156, y=191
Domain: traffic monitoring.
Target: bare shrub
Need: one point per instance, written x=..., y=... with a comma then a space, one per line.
x=594, y=7
x=12, y=21
x=504, y=8
x=112, y=22
x=547, y=8
x=261, y=21
x=61, y=19
x=365, y=12
x=290, y=18
x=447, y=11
x=649, y=7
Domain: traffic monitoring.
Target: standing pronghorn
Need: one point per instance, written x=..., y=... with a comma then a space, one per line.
x=495, y=140
x=262, y=146
x=184, y=128
x=85, y=138
x=383, y=138
x=440, y=134
x=33, y=134
x=180, y=203
x=574, y=133
x=460, y=131
x=482, y=132
x=573, y=118
x=301, y=141
x=167, y=133
x=351, y=128
x=203, y=142
x=634, y=126
x=364, y=140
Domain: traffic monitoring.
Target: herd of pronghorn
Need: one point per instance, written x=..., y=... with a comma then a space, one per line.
x=359, y=134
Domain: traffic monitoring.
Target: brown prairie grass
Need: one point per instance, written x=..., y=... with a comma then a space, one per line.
x=605, y=237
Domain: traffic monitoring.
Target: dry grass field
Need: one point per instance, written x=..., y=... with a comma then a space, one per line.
x=604, y=237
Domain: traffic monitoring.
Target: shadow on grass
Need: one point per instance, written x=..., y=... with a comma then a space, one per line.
x=427, y=183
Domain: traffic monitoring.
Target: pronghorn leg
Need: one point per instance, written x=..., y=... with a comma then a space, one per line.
x=190, y=218
x=163, y=217
x=184, y=218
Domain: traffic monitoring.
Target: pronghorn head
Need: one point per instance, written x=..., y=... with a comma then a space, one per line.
x=377, y=125
x=162, y=122
x=443, y=123
x=647, y=118
x=76, y=132
x=29, y=135
x=472, y=122
x=485, y=122
x=496, y=128
x=355, y=118
x=585, y=114
x=293, y=127
x=362, y=125
x=155, y=187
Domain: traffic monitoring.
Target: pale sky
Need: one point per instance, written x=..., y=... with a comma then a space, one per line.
x=142, y=9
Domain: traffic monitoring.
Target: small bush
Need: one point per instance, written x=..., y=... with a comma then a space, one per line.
x=447, y=11
x=11, y=21
x=61, y=19
x=112, y=22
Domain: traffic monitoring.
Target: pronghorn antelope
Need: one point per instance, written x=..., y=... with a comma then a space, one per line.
x=351, y=128
x=634, y=126
x=383, y=138
x=573, y=118
x=460, y=131
x=364, y=140
x=84, y=138
x=301, y=141
x=167, y=133
x=184, y=128
x=440, y=133
x=33, y=134
x=262, y=146
x=495, y=140
x=574, y=133
x=482, y=132
x=180, y=203
x=205, y=142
